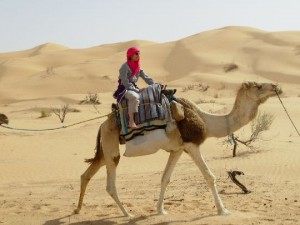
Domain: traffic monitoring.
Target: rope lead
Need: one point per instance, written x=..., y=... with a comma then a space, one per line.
x=287, y=113
x=63, y=126
x=55, y=128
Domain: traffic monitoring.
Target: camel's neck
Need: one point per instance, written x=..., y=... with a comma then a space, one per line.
x=244, y=110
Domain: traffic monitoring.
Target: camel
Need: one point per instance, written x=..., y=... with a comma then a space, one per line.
x=187, y=137
x=3, y=119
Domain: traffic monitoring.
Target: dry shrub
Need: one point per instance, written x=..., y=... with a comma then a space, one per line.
x=50, y=70
x=45, y=113
x=91, y=98
x=198, y=86
x=203, y=101
x=63, y=111
x=261, y=123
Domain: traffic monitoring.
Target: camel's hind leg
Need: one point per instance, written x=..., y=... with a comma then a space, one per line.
x=194, y=152
x=173, y=158
x=85, y=178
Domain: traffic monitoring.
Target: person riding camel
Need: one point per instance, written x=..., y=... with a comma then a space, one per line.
x=129, y=74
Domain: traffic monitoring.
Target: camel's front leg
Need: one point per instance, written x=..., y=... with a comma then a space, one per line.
x=111, y=152
x=111, y=187
x=209, y=177
x=173, y=158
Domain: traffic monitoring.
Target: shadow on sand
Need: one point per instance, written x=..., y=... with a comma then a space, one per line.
x=120, y=220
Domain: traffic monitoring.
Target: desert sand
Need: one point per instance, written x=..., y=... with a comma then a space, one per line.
x=40, y=170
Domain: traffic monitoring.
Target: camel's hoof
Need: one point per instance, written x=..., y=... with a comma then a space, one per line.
x=162, y=212
x=76, y=211
x=224, y=212
x=129, y=215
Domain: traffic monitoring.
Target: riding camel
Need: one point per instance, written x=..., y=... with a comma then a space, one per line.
x=190, y=133
x=3, y=119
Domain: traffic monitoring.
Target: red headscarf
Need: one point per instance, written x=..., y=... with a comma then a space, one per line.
x=134, y=65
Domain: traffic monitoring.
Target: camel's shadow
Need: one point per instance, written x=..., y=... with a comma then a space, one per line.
x=68, y=220
x=102, y=221
x=116, y=220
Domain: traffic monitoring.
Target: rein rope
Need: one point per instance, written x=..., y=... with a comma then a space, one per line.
x=287, y=112
x=55, y=128
x=64, y=126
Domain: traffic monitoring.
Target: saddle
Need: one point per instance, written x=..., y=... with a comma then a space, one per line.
x=153, y=112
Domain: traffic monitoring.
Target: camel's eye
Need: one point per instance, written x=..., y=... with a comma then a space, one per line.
x=259, y=86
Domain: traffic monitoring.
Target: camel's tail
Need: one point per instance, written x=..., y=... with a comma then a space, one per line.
x=99, y=152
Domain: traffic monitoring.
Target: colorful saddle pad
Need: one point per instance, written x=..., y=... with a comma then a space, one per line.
x=151, y=114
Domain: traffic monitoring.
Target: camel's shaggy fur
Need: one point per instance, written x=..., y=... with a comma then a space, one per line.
x=177, y=111
x=192, y=128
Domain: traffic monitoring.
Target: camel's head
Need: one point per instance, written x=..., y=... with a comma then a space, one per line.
x=260, y=92
x=3, y=119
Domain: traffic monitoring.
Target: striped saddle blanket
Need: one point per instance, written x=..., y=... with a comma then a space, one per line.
x=151, y=113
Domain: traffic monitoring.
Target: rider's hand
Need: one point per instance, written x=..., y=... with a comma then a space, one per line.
x=163, y=86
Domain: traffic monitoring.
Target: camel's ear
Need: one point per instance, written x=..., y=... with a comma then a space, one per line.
x=258, y=85
x=246, y=85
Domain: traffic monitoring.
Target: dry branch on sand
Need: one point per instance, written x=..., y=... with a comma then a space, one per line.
x=232, y=175
x=261, y=123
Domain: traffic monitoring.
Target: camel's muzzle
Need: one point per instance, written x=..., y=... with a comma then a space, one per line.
x=277, y=89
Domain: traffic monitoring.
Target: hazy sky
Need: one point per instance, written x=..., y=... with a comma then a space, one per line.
x=86, y=23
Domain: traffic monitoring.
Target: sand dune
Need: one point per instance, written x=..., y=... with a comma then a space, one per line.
x=256, y=53
x=40, y=171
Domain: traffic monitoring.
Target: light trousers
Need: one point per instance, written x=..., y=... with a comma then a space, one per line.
x=133, y=101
